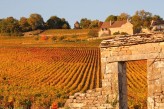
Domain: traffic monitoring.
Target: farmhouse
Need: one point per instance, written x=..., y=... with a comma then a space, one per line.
x=157, y=25
x=109, y=28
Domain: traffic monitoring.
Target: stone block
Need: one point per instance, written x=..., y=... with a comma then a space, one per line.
x=152, y=55
x=77, y=105
x=159, y=64
x=88, y=95
x=157, y=88
x=124, y=48
x=162, y=100
x=158, y=81
x=93, y=108
x=98, y=89
x=89, y=91
x=158, y=100
x=71, y=97
x=128, y=52
x=98, y=94
x=151, y=90
x=107, y=76
x=122, y=53
x=154, y=75
x=82, y=95
x=84, y=107
x=77, y=94
x=163, y=88
x=114, y=53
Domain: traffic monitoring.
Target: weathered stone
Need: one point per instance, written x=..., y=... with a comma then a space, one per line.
x=159, y=64
x=71, y=97
x=157, y=88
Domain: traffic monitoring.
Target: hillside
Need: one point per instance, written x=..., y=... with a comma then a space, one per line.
x=67, y=32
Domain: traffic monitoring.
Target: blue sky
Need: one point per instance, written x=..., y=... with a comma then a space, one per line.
x=74, y=10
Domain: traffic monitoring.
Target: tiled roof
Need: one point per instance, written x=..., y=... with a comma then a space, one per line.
x=157, y=22
x=118, y=24
x=105, y=25
x=113, y=24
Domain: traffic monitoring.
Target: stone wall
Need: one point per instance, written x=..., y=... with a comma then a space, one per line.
x=154, y=54
x=103, y=32
x=100, y=98
x=155, y=84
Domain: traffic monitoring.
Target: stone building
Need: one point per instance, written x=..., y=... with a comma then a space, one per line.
x=109, y=28
x=157, y=25
x=114, y=53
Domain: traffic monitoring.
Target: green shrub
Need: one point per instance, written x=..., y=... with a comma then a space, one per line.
x=54, y=38
x=36, y=38
x=124, y=33
x=62, y=38
x=116, y=33
x=93, y=33
x=74, y=36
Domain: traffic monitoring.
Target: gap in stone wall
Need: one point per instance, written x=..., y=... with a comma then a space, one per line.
x=137, y=88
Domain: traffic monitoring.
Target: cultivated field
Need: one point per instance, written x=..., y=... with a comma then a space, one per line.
x=38, y=72
x=37, y=41
x=41, y=76
x=137, y=84
x=60, y=32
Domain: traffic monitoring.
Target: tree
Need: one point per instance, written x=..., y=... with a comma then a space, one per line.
x=94, y=24
x=10, y=26
x=65, y=24
x=85, y=23
x=157, y=18
x=123, y=16
x=55, y=22
x=141, y=19
x=143, y=14
x=36, y=21
x=24, y=25
x=137, y=23
x=93, y=33
x=111, y=18
x=77, y=25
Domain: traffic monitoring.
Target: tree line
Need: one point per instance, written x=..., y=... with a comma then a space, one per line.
x=11, y=26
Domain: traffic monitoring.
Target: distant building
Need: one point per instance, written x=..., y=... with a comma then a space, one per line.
x=157, y=25
x=109, y=28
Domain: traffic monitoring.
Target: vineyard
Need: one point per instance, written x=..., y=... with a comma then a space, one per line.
x=59, y=32
x=39, y=77
x=137, y=84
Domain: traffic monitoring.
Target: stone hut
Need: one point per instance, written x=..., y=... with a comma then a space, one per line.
x=114, y=53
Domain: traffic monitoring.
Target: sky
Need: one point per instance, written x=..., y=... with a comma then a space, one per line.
x=74, y=10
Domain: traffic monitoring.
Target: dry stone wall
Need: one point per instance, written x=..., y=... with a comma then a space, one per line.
x=114, y=52
x=100, y=98
x=154, y=54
